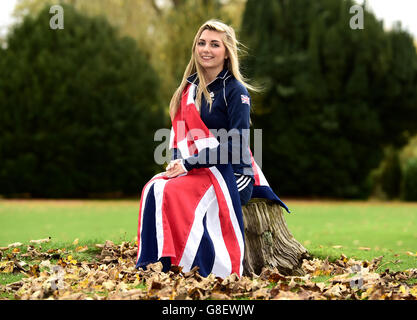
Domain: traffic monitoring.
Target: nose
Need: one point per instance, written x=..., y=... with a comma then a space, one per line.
x=206, y=48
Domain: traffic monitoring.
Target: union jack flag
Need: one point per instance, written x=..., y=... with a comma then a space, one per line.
x=245, y=99
x=195, y=219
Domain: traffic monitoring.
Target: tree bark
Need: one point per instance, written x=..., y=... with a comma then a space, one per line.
x=268, y=241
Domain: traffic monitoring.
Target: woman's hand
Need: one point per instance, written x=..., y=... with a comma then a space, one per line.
x=174, y=169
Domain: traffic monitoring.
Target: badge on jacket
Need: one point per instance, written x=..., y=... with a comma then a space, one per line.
x=245, y=99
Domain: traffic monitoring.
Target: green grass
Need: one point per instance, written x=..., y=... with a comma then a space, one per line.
x=64, y=221
x=389, y=229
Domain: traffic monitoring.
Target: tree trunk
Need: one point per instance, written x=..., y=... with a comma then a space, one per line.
x=268, y=241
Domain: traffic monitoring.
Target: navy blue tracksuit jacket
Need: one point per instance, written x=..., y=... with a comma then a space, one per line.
x=230, y=111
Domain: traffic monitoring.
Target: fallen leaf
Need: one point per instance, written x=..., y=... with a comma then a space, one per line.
x=45, y=264
x=413, y=292
x=334, y=291
x=364, y=248
x=15, y=244
x=6, y=266
x=40, y=240
x=34, y=270
x=75, y=242
x=286, y=295
x=337, y=246
x=321, y=285
x=219, y=296
x=109, y=285
x=81, y=248
x=409, y=253
x=114, y=276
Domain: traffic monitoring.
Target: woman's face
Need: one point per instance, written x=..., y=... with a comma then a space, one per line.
x=210, y=50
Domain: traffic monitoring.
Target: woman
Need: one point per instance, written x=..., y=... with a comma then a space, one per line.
x=191, y=214
x=224, y=101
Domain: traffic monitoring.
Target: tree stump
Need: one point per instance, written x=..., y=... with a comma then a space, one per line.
x=268, y=241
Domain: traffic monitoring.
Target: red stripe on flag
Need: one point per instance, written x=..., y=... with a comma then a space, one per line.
x=228, y=232
x=255, y=170
x=178, y=215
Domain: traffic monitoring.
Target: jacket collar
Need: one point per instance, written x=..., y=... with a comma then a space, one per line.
x=194, y=79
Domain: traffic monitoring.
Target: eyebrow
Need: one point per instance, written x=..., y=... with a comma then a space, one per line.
x=205, y=40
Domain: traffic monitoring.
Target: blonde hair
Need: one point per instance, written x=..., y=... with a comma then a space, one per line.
x=231, y=44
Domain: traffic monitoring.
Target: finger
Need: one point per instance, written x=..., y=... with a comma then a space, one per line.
x=171, y=172
x=172, y=164
x=174, y=173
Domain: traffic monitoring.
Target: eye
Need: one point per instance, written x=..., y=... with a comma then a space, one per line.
x=201, y=43
x=216, y=45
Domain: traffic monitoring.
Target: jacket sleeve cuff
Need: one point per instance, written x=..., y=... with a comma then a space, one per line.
x=183, y=164
x=186, y=165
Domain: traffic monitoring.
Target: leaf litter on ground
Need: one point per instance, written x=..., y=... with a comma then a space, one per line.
x=57, y=274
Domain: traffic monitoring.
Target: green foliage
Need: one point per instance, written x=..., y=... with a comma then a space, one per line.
x=78, y=109
x=392, y=175
x=386, y=180
x=333, y=97
x=410, y=180
x=164, y=30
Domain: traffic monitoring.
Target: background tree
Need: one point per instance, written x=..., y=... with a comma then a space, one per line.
x=164, y=30
x=78, y=109
x=333, y=97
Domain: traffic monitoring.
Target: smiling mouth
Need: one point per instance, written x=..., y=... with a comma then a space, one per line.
x=206, y=58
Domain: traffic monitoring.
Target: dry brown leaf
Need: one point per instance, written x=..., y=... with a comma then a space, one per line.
x=81, y=248
x=262, y=293
x=15, y=245
x=40, y=241
x=286, y=295
x=334, y=291
x=219, y=296
x=109, y=285
x=114, y=276
x=321, y=285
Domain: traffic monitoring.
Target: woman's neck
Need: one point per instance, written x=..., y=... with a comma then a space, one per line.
x=211, y=74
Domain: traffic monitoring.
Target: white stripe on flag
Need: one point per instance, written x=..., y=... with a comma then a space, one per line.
x=183, y=147
x=232, y=214
x=190, y=98
x=222, y=266
x=171, y=138
x=159, y=192
x=145, y=195
x=197, y=230
x=262, y=179
x=203, y=143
